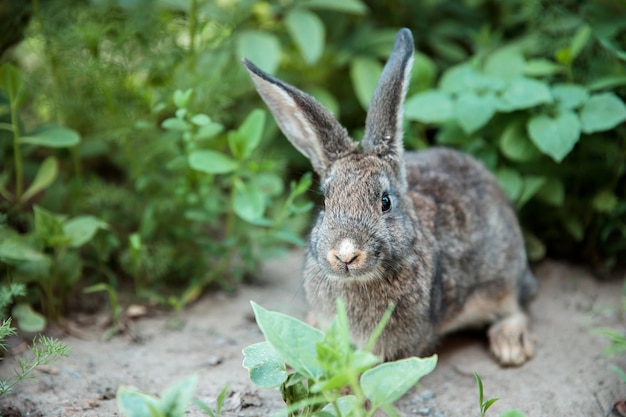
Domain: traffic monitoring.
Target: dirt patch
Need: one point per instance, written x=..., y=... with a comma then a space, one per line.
x=568, y=375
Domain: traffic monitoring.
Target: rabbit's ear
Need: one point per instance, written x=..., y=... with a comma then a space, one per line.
x=383, y=126
x=311, y=128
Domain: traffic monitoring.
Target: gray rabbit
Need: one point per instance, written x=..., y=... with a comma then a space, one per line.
x=430, y=231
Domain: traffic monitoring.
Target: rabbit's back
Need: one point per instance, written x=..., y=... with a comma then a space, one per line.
x=479, y=250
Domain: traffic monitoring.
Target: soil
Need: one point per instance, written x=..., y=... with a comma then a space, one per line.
x=569, y=376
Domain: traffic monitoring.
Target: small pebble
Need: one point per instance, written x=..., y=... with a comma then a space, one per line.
x=215, y=360
x=427, y=395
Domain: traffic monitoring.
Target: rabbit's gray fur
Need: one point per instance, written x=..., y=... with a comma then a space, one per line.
x=449, y=252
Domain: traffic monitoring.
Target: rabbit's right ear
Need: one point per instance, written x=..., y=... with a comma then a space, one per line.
x=311, y=128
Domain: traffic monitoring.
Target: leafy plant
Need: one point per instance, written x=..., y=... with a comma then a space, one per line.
x=324, y=364
x=484, y=405
x=219, y=404
x=172, y=402
x=44, y=350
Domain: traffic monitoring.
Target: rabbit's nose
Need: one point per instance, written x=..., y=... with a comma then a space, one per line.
x=346, y=255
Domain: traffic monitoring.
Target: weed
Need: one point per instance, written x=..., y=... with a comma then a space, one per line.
x=484, y=405
x=324, y=364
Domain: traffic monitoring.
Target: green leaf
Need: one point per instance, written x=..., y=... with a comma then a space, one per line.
x=48, y=227
x=11, y=82
x=307, y=31
x=552, y=192
x=266, y=367
x=574, y=227
x=464, y=78
x=570, y=96
x=535, y=248
x=431, y=106
x=506, y=62
x=211, y=162
x=601, y=112
x=175, y=124
x=17, y=248
x=261, y=48
x=344, y=6
x=200, y=119
x=423, y=73
x=82, y=229
x=555, y=136
x=133, y=403
x=245, y=140
x=580, y=39
x=532, y=185
x=53, y=136
x=294, y=341
x=542, y=68
x=175, y=399
x=248, y=202
x=346, y=404
x=28, y=319
x=387, y=382
x=523, y=93
x=512, y=413
x=46, y=174
x=474, y=111
x=511, y=181
x=209, y=130
x=515, y=145
x=364, y=73
x=181, y=98
x=605, y=201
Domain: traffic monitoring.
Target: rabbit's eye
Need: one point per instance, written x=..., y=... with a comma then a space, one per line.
x=386, y=202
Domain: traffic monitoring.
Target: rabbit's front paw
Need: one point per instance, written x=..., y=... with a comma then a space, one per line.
x=510, y=342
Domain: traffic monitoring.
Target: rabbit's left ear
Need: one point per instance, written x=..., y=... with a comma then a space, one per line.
x=383, y=126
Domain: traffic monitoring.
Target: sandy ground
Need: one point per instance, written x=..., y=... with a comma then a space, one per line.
x=567, y=377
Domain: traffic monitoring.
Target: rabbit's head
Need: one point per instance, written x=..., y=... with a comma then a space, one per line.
x=366, y=224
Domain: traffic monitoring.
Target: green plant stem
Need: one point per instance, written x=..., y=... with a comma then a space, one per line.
x=193, y=22
x=17, y=155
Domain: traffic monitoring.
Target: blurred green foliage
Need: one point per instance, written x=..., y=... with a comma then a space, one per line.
x=133, y=149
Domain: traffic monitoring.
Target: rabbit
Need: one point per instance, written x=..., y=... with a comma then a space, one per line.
x=430, y=231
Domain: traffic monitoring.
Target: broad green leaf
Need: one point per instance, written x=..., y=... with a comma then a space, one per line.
x=552, y=192
x=200, y=119
x=605, y=201
x=209, y=130
x=431, y=106
x=387, y=382
x=48, y=227
x=261, y=48
x=266, y=367
x=607, y=82
x=181, y=98
x=175, y=124
x=601, y=112
x=307, y=31
x=46, y=174
x=175, y=399
x=52, y=136
x=532, y=184
x=511, y=181
x=212, y=162
x=365, y=73
x=294, y=341
x=515, y=145
x=248, y=202
x=346, y=404
x=580, y=39
x=464, y=78
x=474, y=111
x=16, y=248
x=523, y=93
x=82, y=229
x=344, y=6
x=570, y=96
x=452, y=134
x=555, y=136
x=11, y=82
x=245, y=140
x=506, y=62
x=133, y=403
x=423, y=73
x=542, y=67
x=28, y=319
